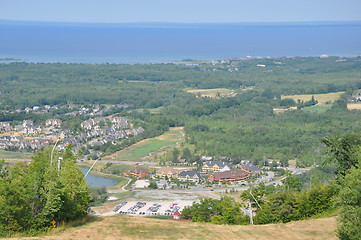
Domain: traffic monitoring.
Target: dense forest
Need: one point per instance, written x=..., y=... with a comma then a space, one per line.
x=243, y=126
x=153, y=85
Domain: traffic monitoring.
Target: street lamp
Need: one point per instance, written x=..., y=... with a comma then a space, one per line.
x=52, y=151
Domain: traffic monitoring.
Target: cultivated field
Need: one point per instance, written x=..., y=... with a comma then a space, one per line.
x=127, y=227
x=146, y=149
x=213, y=93
x=321, y=98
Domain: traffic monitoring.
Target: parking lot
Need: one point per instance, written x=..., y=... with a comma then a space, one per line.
x=147, y=208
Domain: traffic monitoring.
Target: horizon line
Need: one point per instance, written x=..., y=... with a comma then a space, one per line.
x=183, y=23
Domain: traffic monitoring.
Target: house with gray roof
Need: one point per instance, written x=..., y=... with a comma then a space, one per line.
x=250, y=168
x=216, y=166
x=192, y=176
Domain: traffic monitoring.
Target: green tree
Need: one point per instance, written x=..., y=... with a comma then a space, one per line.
x=33, y=195
x=340, y=104
x=284, y=162
x=74, y=191
x=349, y=200
x=223, y=211
x=175, y=155
x=292, y=183
x=153, y=185
x=343, y=150
x=186, y=154
x=280, y=207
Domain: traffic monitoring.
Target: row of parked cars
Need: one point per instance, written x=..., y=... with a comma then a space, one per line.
x=151, y=210
x=136, y=207
x=119, y=206
x=154, y=208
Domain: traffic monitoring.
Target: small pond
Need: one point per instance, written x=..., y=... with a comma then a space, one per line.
x=96, y=181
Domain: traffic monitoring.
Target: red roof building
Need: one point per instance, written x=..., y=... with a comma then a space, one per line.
x=138, y=172
x=234, y=175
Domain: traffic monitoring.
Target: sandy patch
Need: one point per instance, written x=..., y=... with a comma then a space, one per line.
x=354, y=106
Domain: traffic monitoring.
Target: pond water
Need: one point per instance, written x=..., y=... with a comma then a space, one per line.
x=93, y=181
x=96, y=181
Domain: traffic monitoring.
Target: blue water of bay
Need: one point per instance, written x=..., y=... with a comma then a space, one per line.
x=147, y=43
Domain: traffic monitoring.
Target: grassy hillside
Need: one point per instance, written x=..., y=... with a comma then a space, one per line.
x=144, y=150
x=125, y=227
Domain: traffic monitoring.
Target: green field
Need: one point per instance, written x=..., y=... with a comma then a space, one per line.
x=15, y=155
x=144, y=149
x=149, y=147
x=318, y=108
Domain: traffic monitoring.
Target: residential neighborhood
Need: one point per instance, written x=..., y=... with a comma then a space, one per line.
x=96, y=131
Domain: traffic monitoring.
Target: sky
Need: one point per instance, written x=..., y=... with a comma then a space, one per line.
x=182, y=11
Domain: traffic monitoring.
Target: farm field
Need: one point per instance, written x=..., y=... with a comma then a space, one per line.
x=223, y=92
x=126, y=227
x=148, y=147
x=321, y=98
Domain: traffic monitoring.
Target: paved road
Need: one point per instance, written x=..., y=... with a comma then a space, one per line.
x=122, y=162
x=90, y=161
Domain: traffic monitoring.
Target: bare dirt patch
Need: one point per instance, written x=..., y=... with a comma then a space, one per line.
x=354, y=106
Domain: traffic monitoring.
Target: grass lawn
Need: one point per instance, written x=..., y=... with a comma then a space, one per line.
x=151, y=110
x=321, y=108
x=321, y=98
x=144, y=149
x=15, y=155
x=149, y=147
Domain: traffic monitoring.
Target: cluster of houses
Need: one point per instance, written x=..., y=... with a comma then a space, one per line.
x=5, y=127
x=28, y=128
x=213, y=171
x=28, y=136
x=73, y=110
x=93, y=128
x=103, y=136
x=94, y=123
x=19, y=142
